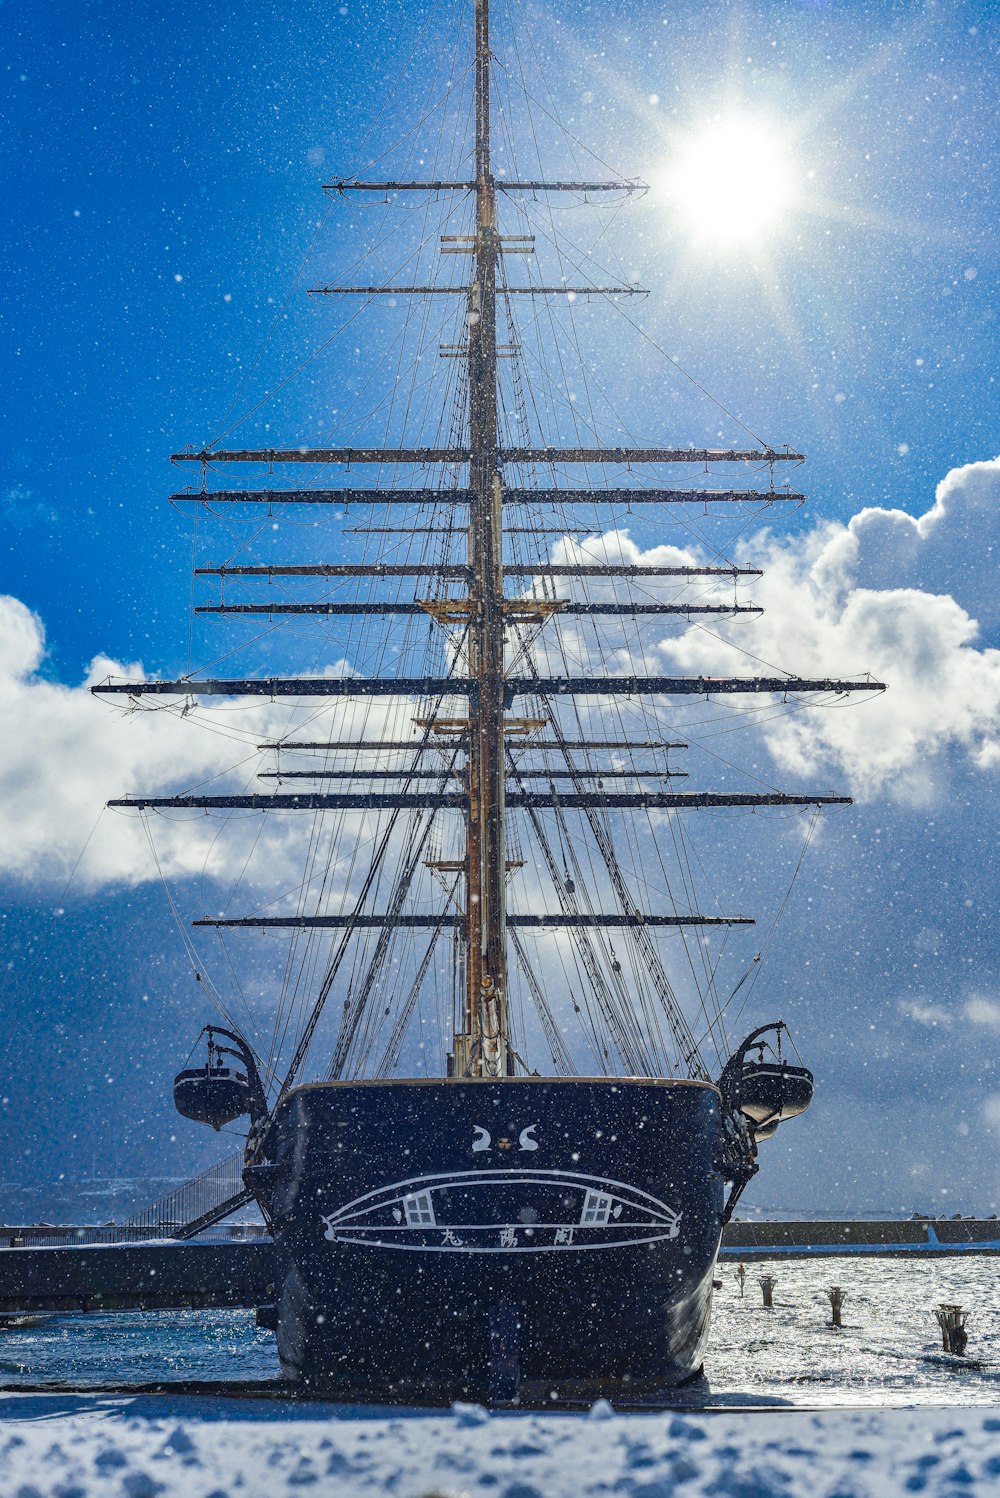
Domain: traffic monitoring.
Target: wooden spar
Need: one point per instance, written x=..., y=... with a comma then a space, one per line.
x=625, y=184
x=338, y=569
x=381, y=609
x=349, y=497
x=537, y=921
x=461, y=686
x=421, y=746
x=407, y=773
x=357, y=456
x=573, y=291
x=481, y=1048
x=457, y=800
x=622, y=569
x=457, y=570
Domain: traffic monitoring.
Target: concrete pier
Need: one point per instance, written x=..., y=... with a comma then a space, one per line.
x=136, y=1277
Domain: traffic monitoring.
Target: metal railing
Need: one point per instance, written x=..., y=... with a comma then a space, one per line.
x=72, y=1235
x=185, y=1204
x=205, y=1197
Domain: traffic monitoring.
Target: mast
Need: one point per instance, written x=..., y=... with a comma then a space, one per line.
x=481, y=1048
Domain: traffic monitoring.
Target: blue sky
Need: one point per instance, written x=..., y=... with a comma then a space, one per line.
x=161, y=185
x=143, y=146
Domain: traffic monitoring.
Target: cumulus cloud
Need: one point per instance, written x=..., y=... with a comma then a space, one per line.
x=905, y=599
x=951, y=549
x=902, y=598
x=63, y=754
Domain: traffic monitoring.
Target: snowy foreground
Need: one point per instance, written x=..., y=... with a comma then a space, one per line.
x=67, y=1446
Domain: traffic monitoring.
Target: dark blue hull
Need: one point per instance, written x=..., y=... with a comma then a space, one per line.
x=525, y=1238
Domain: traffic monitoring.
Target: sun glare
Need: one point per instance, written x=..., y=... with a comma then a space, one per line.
x=731, y=183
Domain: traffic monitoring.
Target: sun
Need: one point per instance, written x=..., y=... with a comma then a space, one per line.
x=732, y=182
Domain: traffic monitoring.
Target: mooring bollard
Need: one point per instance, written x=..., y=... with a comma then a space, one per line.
x=954, y=1337
x=836, y=1298
x=741, y=1275
x=766, y=1283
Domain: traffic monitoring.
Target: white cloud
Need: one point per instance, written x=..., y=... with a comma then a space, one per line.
x=63, y=754
x=901, y=598
x=976, y=1010
x=952, y=549
x=933, y=1016
x=980, y=1011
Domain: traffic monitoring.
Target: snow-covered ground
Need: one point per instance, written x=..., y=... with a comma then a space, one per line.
x=69, y=1446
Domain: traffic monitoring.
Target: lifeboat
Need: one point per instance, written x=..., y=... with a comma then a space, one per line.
x=772, y=1091
x=765, y=1091
x=222, y=1090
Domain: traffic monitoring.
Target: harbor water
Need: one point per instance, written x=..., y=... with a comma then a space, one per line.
x=887, y=1353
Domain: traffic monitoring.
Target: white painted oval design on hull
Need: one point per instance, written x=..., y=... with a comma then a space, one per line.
x=503, y=1211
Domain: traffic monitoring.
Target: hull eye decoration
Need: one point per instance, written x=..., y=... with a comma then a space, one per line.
x=486, y=1211
x=483, y=1140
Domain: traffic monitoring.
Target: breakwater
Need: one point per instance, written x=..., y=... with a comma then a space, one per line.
x=919, y=1235
x=136, y=1276
x=79, y=1276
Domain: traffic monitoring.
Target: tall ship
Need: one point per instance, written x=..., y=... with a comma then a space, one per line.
x=494, y=1119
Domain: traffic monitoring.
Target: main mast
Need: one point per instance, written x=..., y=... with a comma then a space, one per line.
x=481, y=1048
x=481, y=1045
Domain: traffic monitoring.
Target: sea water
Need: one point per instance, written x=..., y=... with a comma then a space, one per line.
x=888, y=1352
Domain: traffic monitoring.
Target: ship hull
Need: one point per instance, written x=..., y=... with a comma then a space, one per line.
x=495, y=1240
